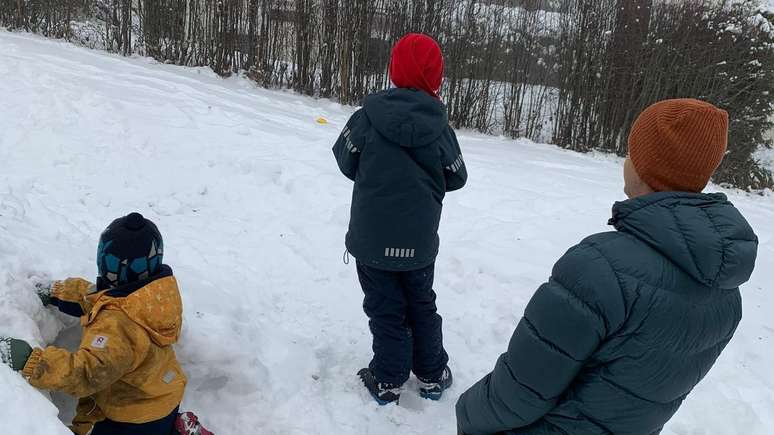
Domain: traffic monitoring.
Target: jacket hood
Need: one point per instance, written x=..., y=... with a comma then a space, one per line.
x=156, y=307
x=703, y=234
x=409, y=117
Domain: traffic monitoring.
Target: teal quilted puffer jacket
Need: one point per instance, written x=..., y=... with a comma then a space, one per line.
x=628, y=324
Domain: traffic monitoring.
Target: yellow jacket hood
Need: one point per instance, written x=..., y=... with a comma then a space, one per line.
x=156, y=307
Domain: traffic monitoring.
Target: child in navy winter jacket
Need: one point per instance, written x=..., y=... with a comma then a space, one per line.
x=403, y=157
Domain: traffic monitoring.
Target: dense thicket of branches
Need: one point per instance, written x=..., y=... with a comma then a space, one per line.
x=576, y=72
x=618, y=64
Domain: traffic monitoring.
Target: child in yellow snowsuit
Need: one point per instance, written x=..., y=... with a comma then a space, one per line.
x=125, y=372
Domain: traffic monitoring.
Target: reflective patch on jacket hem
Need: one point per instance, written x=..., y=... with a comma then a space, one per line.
x=399, y=252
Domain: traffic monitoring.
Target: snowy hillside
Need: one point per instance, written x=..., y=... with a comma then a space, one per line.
x=243, y=185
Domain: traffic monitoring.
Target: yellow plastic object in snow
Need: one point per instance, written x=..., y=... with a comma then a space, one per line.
x=322, y=121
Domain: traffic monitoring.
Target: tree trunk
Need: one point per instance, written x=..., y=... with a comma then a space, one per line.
x=623, y=71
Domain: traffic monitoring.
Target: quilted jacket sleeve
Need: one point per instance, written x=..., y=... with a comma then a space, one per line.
x=563, y=325
x=110, y=348
x=350, y=144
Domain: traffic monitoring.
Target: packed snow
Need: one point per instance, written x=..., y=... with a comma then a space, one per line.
x=242, y=183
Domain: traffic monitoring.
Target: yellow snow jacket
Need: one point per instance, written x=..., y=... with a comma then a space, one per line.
x=125, y=369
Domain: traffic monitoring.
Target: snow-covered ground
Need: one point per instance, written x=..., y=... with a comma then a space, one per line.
x=242, y=183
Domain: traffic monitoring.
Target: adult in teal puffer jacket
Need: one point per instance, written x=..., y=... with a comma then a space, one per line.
x=630, y=320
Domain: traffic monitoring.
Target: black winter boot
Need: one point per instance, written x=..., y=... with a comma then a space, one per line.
x=382, y=392
x=433, y=389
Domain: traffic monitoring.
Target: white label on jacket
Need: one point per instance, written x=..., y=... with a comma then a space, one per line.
x=99, y=342
x=169, y=377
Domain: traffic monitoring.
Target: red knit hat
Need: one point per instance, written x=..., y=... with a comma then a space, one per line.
x=417, y=62
x=676, y=145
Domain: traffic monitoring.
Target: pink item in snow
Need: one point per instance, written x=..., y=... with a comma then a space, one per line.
x=188, y=424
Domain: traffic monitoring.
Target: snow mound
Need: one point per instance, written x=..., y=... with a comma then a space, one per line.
x=242, y=184
x=22, y=315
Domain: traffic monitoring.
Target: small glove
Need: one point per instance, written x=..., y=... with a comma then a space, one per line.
x=43, y=290
x=14, y=353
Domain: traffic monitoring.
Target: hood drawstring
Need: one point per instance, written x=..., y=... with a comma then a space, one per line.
x=346, y=256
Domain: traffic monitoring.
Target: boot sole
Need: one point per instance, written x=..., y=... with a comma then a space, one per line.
x=431, y=396
x=382, y=402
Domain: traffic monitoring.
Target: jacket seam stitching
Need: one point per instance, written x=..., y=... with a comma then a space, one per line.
x=629, y=392
x=523, y=385
x=556, y=348
x=642, y=206
x=722, y=247
x=617, y=278
x=580, y=300
x=596, y=423
x=658, y=201
x=685, y=241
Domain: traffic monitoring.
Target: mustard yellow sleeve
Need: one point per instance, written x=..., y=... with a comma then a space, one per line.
x=111, y=347
x=71, y=296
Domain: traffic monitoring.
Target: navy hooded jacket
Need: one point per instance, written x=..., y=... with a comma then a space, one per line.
x=628, y=324
x=403, y=157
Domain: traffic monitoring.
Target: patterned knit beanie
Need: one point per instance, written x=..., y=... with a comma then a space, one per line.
x=676, y=145
x=130, y=249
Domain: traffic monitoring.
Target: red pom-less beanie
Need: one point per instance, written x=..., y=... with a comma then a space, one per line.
x=417, y=62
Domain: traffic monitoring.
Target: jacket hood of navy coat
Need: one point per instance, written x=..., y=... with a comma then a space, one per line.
x=408, y=117
x=703, y=234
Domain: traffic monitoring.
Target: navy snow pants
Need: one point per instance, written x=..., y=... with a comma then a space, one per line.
x=164, y=426
x=405, y=324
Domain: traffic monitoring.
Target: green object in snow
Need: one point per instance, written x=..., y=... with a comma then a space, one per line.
x=14, y=353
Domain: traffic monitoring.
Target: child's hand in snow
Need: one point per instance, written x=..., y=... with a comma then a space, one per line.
x=14, y=353
x=43, y=290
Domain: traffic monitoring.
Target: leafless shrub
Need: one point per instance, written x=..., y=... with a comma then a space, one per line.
x=579, y=70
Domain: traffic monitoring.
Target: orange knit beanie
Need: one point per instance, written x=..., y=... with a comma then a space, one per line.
x=676, y=145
